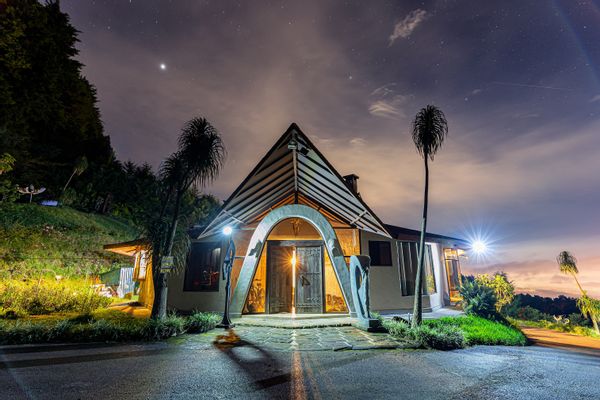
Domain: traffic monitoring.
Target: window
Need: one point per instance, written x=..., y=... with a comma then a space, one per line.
x=380, y=253
x=142, y=261
x=408, y=263
x=203, y=269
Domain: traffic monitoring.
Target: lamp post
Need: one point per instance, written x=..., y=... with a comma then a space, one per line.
x=227, y=266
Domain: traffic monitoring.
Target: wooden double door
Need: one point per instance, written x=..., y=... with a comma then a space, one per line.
x=305, y=292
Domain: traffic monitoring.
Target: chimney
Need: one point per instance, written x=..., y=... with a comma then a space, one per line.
x=352, y=183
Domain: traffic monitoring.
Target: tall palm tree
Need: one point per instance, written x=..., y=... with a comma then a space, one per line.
x=589, y=307
x=567, y=263
x=429, y=129
x=80, y=166
x=197, y=162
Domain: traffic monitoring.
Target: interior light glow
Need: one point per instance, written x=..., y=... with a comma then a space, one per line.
x=293, y=283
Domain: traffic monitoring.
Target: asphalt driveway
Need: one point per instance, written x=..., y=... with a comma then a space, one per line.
x=194, y=367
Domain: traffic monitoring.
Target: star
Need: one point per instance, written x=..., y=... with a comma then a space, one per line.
x=163, y=66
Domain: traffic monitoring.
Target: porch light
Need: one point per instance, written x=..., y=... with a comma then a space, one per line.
x=227, y=230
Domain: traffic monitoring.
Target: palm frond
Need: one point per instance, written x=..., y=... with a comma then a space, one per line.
x=429, y=129
x=567, y=263
x=202, y=151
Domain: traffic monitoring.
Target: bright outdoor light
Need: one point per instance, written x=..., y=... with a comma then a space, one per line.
x=227, y=230
x=479, y=247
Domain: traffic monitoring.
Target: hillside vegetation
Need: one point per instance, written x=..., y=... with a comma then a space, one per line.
x=37, y=240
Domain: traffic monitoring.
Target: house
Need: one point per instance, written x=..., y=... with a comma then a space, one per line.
x=142, y=267
x=295, y=223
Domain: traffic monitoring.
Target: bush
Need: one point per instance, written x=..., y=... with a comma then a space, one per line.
x=443, y=337
x=433, y=337
x=200, y=322
x=478, y=299
x=103, y=326
x=45, y=296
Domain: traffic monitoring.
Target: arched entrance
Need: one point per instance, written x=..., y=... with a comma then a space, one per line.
x=292, y=255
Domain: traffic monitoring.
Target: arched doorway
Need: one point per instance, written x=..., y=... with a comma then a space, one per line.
x=313, y=226
x=295, y=274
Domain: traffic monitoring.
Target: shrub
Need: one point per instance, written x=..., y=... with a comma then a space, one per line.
x=200, y=322
x=103, y=326
x=45, y=296
x=503, y=289
x=171, y=325
x=443, y=337
x=478, y=299
x=435, y=337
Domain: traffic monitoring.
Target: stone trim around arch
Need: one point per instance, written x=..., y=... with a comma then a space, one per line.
x=257, y=244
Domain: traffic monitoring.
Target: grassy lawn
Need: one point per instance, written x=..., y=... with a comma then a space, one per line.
x=457, y=332
x=37, y=240
x=100, y=326
x=479, y=330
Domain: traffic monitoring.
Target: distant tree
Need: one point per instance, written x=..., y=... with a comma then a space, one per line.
x=567, y=263
x=8, y=192
x=429, y=129
x=197, y=162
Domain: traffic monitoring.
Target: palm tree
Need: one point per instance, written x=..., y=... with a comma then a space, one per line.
x=80, y=166
x=429, y=129
x=590, y=308
x=567, y=263
x=197, y=162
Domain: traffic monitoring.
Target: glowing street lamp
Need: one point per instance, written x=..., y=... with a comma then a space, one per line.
x=479, y=247
x=227, y=266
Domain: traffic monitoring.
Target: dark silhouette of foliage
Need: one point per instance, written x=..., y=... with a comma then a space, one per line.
x=48, y=112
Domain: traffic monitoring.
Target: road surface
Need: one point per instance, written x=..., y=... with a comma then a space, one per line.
x=191, y=367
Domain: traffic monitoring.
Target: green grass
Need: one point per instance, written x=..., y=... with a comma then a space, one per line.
x=478, y=330
x=101, y=326
x=36, y=240
x=456, y=332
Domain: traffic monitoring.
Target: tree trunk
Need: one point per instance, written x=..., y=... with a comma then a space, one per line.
x=418, y=301
x=595, y=323
x=578, y=284
x=69, y=181
x=159, y=308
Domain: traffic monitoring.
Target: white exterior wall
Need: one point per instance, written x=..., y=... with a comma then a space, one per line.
x=203, y=301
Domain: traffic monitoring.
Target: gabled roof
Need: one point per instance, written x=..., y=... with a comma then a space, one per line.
x=400, y=233
x=288, y=173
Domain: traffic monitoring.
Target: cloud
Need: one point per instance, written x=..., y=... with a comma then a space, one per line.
x=404, y=28
x=386, y=103
x=358, y=141
x=595, y=98
x=476, y=92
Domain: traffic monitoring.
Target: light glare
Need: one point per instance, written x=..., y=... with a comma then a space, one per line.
x=227, y=230
x=479, y=247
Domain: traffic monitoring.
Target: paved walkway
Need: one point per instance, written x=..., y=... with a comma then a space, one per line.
x=304, y=339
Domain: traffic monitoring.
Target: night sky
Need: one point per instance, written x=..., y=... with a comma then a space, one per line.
x=518, y=80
